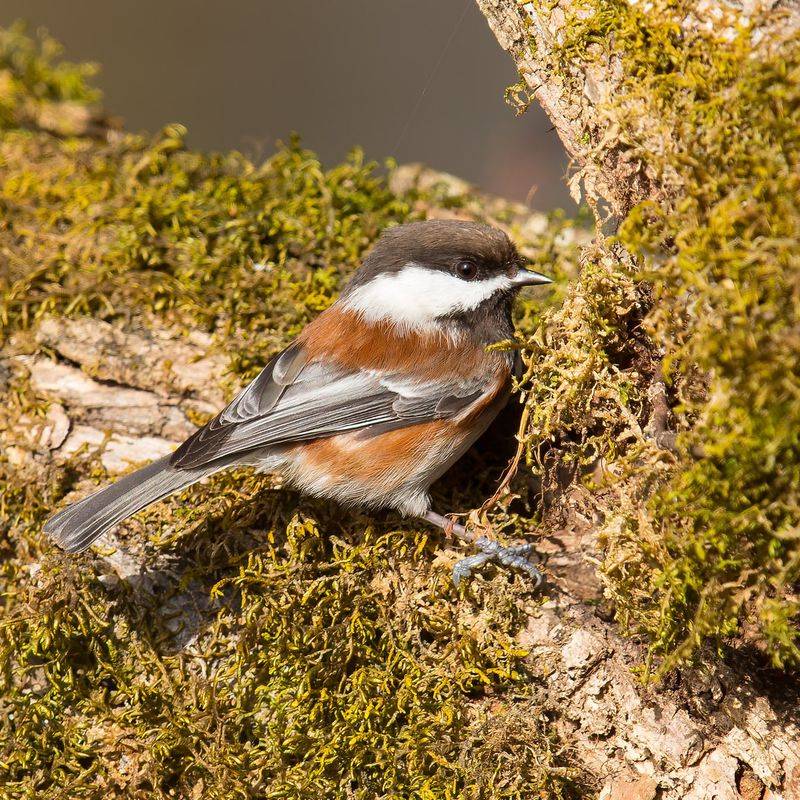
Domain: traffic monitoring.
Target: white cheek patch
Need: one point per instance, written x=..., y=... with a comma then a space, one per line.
x=416, y=297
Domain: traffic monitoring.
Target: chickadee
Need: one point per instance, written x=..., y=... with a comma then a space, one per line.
x=373, y=401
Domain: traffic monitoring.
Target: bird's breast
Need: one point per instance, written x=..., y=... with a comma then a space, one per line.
x=344, y=338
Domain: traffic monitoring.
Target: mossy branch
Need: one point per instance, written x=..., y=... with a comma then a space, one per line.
x=238, y=642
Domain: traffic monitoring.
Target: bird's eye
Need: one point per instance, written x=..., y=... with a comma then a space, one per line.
x=467, y=270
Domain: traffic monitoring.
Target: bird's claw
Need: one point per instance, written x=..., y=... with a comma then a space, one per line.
x=493, y=551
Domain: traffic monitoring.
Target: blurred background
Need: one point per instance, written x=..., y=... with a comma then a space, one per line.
x=421, y=80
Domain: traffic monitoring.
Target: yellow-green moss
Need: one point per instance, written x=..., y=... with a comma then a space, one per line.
x=102, y=228
x=334, y=657
x=335, y=665
x=716, y=121
x=35, y=80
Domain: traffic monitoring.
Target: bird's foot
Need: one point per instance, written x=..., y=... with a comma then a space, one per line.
x=491, y=550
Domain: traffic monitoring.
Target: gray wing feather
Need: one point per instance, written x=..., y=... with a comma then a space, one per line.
x=262, y=394
x=295, y=400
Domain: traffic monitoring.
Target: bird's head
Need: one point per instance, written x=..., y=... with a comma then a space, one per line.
x=438, y=274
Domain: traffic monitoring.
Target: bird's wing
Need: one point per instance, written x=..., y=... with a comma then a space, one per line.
x=295, y=399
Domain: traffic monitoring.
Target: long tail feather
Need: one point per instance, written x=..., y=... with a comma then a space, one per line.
x=77, y=526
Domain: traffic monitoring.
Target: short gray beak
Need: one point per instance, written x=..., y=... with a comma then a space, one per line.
x=527, y=277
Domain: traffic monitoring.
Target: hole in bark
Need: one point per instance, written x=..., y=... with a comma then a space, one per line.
x=747, y=784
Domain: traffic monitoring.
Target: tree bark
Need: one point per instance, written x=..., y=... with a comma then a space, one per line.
x=725, y=730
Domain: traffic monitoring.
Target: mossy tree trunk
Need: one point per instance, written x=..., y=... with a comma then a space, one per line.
x=582, y=92
x=657, y=104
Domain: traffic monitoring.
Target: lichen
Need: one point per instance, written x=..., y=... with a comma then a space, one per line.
x=711, y=117
x=333, y=657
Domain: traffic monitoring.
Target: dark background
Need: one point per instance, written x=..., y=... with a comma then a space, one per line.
x=243, y=73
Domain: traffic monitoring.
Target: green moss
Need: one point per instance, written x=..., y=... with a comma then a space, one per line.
x=328, y=654
x=717, y=127
x=146, y=224
x=333, y=665
x=34, y=80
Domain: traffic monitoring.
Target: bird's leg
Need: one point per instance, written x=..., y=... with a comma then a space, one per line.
x=490, y=550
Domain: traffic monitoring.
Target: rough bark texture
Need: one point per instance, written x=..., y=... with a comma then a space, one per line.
x=721, y=731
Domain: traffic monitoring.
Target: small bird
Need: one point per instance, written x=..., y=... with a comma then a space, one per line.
x=375, y=399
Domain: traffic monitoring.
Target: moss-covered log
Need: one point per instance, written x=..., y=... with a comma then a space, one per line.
x=238, y=641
